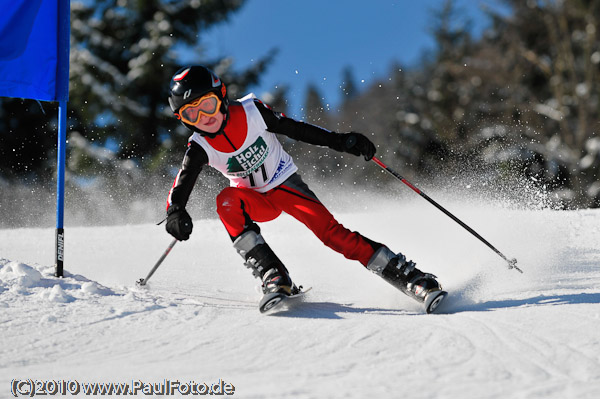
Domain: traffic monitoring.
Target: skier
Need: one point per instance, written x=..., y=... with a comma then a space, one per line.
x=238, y=139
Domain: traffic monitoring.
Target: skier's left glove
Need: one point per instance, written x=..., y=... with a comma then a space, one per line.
x=358, y=144
x=179, y=222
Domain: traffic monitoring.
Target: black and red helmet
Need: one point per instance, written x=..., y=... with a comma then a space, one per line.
x=192, y=82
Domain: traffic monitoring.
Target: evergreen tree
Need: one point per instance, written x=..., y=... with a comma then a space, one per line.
x=348, y=86
x=543, y=63
x=27, y=140
x=314, y=109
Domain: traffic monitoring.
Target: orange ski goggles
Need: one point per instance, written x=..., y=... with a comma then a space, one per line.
x=208, y=105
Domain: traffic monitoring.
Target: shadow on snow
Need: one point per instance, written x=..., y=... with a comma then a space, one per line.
x=458, y=305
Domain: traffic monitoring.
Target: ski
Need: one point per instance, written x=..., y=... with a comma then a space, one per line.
x=433, y=300
x=273, y=302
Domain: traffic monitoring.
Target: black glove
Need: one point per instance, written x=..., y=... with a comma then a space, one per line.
x=179, y=222
x=358, y=144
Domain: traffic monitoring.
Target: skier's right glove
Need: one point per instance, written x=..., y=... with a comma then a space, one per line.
x=179, y=222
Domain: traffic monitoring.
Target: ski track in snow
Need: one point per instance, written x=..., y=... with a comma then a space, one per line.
x=499, y=334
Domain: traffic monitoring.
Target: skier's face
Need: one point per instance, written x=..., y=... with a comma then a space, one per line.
x=207, y=105
x=210, y=124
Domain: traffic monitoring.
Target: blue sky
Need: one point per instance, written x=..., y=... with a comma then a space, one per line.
x=318, y=38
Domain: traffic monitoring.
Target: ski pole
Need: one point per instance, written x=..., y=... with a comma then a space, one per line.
x=512, y=263
x=143, y=281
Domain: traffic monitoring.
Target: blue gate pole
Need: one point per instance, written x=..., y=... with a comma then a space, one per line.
x=60, y=188
x=62, y=82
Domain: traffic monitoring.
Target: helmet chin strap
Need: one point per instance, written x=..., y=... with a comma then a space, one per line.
x=210, y=135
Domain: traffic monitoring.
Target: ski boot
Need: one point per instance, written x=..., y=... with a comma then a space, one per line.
x=402, y=274
x=263, y=262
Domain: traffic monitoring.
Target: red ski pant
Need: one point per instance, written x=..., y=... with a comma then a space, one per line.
x=235, y=205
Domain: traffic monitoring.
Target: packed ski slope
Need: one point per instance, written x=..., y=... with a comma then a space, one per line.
x=499, y=334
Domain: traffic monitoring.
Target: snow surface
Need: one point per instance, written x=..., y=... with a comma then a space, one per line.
x=499, y=334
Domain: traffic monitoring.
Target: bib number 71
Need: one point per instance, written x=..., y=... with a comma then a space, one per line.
x=260, y=171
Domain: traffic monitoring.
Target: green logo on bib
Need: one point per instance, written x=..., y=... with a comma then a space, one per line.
x=248, y=160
